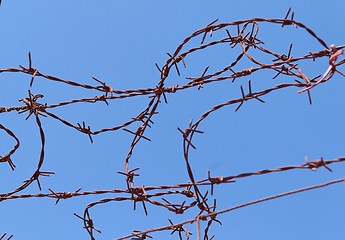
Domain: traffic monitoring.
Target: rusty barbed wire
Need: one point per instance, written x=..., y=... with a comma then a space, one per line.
x=214, y=214
x=192, y=196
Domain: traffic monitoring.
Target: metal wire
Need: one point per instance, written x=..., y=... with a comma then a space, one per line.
x=247, y=41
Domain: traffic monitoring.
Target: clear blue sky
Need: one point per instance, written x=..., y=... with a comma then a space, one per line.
x=119, y=42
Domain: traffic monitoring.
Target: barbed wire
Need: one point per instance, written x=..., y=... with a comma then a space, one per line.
x=246, y=40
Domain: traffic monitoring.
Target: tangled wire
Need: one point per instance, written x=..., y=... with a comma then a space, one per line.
x=247, y=41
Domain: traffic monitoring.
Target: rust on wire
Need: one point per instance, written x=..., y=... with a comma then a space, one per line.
x=242, y=35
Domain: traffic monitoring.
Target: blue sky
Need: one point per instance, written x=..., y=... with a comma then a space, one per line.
x=119, y=43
